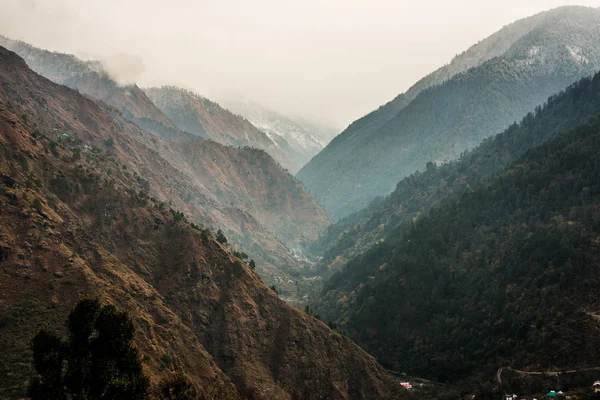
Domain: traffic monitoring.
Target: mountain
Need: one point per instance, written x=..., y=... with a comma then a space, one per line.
x=299, y=138
x=504, y=274
x=200, y=116
x=416, y=194
x=168, y=112
x=90, y=78
x=242, y=191
x=457, y=107
x=83, y=213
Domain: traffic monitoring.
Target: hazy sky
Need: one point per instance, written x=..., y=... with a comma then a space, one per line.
x=332, y=59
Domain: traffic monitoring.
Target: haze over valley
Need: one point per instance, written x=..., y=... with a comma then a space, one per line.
x=340, y=200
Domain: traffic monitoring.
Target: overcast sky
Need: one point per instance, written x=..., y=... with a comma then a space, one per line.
x=331, y=59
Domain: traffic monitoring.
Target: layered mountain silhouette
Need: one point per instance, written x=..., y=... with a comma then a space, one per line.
x=241, y=190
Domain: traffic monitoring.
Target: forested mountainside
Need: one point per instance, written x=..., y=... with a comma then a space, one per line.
x=417, y=193
x=505, y=274
x=200, y=116
x=545, y=54
x=297, y=137
x=83, y=212
x=242, y=201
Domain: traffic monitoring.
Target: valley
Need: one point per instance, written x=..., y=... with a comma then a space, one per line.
x=445, y=246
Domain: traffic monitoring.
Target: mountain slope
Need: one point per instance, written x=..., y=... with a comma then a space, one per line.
x=243, y=176
x=77, y=219
x=505, y=274
x=417, y=193
x=90, y=78
x=300, y=139
x=266, y=224
x=556, y=49
x=200, y=116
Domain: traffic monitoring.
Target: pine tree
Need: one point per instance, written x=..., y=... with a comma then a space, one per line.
x=97, y=361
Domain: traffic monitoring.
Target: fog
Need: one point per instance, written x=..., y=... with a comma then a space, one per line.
x=330, y=60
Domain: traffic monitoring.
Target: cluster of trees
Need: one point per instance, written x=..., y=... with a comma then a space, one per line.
x=499, y=275
x=98, y=361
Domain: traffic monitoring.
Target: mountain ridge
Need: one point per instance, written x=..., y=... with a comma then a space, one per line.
x=455, y=114
x=416, y=194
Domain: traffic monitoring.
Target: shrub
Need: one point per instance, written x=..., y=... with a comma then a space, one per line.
x=221, y=237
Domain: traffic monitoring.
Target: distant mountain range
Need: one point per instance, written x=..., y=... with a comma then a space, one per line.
x=480, y=93
x=299, y=138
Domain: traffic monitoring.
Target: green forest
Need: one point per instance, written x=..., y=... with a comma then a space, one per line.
x=498, y=276
x=420, y=191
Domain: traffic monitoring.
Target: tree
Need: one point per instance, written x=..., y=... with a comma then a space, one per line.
x=97, y=361
x=221, y=237
x=205, y=235
x=252, y=264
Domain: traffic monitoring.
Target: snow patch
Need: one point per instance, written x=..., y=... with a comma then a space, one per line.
x=577, y=54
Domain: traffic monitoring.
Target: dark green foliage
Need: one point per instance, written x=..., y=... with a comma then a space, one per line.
x=221, y=237
x=241, y=255
x=98, y=361
x=64, y=187
x=205, y=235
x=109, y=142
x=54, y=148
x=252, y=264
x=48, y=355
x=177, y=215
x=176, y=387
x=76, y=155
x=37, y=204
x=497, y=276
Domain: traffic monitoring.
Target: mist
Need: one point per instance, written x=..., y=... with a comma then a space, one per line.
x=331, y=61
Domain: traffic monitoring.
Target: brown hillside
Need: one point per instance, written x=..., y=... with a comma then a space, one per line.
x=250, y=179
x=202, y=117
x=76, y=219
x=264, y=230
